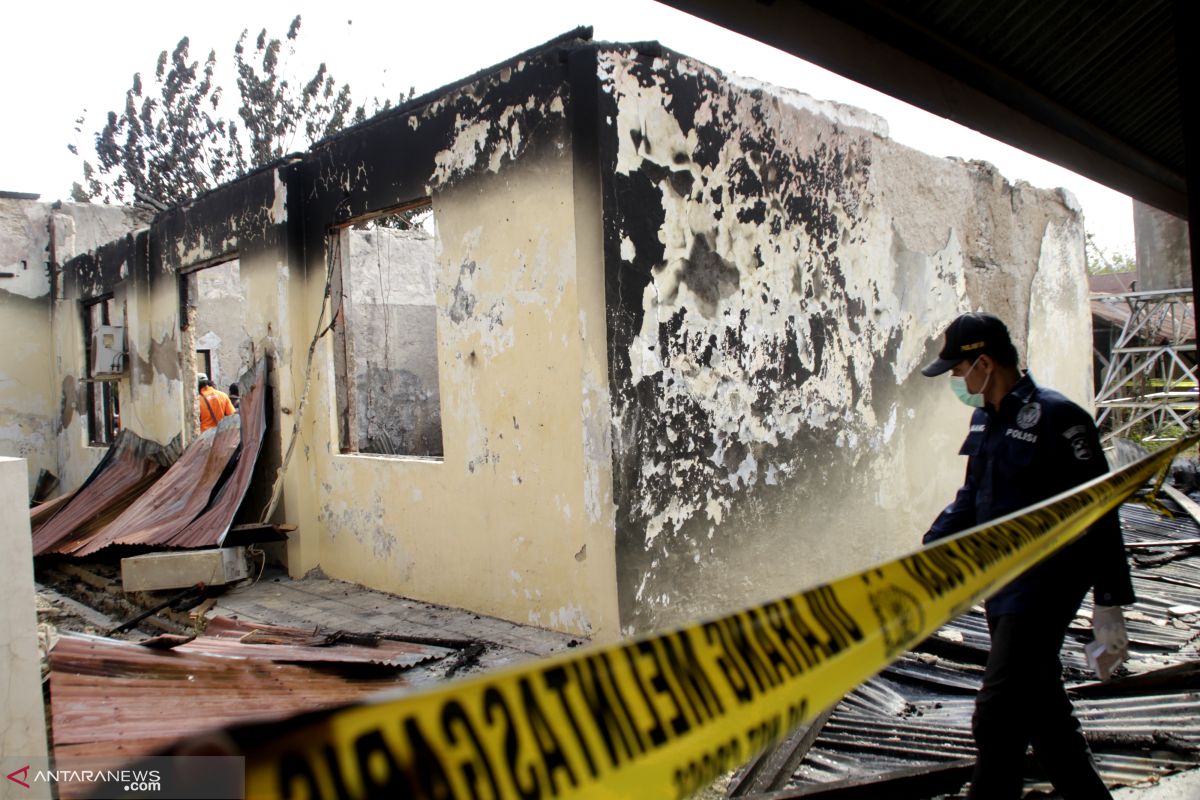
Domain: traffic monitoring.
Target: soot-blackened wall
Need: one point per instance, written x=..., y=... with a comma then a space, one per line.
x=777, y=270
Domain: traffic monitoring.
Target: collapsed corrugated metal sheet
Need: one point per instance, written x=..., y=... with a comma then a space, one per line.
x=194, y=503
x=175, y=499
x=108, y=697
x=236, y=639
x=914, y=719
x=43, y=511
x=130, y=466
x=211, y=527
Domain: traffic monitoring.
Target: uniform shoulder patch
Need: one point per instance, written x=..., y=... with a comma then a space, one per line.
x=1079, y=440
x=1071, y=433
x=1029, y=415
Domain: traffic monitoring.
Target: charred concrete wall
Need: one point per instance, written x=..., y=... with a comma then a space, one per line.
x=151, y=277
x=677, y=322
x=35, y=238
x=777, y=272
x=219, y=322
x=515, y=517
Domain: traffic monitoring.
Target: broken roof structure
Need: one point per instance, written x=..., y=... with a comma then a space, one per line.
x=907, y=732
x=586, y=339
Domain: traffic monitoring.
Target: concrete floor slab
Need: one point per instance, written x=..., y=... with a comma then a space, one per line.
x=318, y=600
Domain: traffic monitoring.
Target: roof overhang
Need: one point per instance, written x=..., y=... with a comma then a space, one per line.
x=1094, y=87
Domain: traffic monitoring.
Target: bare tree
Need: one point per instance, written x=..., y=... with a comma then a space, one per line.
x=172, y=143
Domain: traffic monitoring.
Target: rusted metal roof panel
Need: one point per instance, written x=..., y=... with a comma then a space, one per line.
x=108, y=697
x=175, y=499
x=231, y=638
x=129, y=467
x=43, y=511
x=211, y=527
x=194, y=503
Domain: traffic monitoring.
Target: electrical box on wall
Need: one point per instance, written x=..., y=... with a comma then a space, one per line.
x=108, y=351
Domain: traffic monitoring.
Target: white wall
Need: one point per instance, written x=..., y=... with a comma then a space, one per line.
x=22, y=715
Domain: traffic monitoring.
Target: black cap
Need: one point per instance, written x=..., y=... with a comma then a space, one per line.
x=969, y=337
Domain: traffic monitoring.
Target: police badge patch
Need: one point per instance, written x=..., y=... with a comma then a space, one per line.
x=1082, y=449
x=1029, y=415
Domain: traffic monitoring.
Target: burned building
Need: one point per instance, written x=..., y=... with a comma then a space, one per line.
x=35, y=239
x=597, y=339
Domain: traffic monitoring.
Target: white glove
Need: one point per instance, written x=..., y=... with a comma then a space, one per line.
x=1111, y=646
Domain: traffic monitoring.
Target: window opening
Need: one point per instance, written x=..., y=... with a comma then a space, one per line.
x=204, y=363
x=385, y=345
x=213, y=321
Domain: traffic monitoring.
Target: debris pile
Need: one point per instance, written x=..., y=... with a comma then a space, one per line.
x=907, y=732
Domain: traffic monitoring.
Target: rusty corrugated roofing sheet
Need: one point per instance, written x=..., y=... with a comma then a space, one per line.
x=237, y=639
x=175, y=499
x=43, y=511
x=130, y=466
x=194, y=503
x=211, y=527
x=108, y=697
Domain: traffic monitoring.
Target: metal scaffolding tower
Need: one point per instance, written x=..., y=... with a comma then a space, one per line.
x=1149, y=388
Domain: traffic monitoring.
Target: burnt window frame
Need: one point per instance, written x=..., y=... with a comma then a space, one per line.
x=345, y=395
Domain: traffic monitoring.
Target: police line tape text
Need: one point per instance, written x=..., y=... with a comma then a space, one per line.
x=565, y=724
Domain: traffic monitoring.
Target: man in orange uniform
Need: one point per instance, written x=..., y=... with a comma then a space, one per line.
x=214, y=404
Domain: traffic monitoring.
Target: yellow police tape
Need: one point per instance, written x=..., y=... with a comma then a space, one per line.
x=663, y=715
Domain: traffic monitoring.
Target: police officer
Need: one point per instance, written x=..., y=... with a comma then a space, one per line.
x=1025, y=444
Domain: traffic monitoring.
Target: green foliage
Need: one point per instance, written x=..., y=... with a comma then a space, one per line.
x=1103, y=262
x=172, y=143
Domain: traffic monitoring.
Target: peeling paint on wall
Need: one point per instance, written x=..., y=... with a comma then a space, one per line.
x=484, y=137
x=765, y=312
x=162, y=360
x=1059, y=340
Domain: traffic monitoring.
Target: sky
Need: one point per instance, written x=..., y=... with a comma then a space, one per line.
x=66, y=59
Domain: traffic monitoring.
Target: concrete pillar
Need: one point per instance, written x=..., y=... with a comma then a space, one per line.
x=1164, y=258
x=22, y=717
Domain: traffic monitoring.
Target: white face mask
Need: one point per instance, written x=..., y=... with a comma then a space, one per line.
x=958, y=385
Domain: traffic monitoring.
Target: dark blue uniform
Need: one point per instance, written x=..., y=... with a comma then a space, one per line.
x=1036, y=445
x=1039, y=444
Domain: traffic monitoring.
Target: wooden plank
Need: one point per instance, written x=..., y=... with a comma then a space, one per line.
x=1186, y=503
